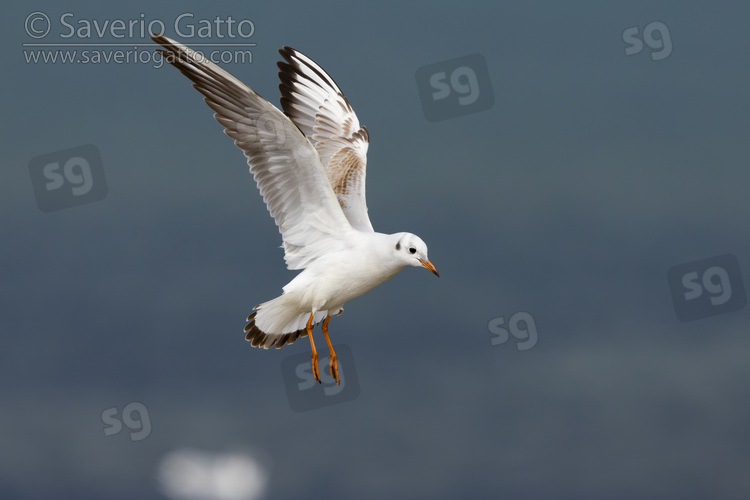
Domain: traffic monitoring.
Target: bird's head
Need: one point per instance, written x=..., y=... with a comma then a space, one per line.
x=411, y=250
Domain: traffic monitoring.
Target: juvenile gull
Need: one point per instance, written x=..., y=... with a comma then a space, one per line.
x=309, y=163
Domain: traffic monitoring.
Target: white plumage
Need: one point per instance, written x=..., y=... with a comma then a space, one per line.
x=309, y=163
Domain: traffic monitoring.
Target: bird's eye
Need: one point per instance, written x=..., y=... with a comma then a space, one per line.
x=412, y=250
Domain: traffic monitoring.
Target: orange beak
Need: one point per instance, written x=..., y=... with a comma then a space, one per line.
x=428, y=265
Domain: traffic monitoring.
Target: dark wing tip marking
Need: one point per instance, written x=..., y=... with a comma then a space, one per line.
x=292, y=71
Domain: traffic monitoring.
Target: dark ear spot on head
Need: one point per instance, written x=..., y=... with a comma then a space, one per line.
x=398, y=246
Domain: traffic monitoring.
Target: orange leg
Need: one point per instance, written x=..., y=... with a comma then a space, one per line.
x=333, y=365
x=314, y=355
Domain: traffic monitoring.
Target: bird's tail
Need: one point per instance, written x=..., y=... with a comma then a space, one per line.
x=277, y=322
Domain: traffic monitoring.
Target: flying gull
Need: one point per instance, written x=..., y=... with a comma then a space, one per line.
x=309, y=163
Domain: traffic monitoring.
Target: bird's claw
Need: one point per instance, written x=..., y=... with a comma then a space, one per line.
x=314, y=363
x=333, y=367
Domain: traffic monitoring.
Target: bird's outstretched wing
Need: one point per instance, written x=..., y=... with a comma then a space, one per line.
x=283, y=162
x=318, y=107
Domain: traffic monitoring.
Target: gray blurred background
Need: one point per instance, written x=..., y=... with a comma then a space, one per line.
x=589, y=176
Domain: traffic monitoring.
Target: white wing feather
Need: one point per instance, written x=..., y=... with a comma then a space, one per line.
x=321, y=111
x=285, y=165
